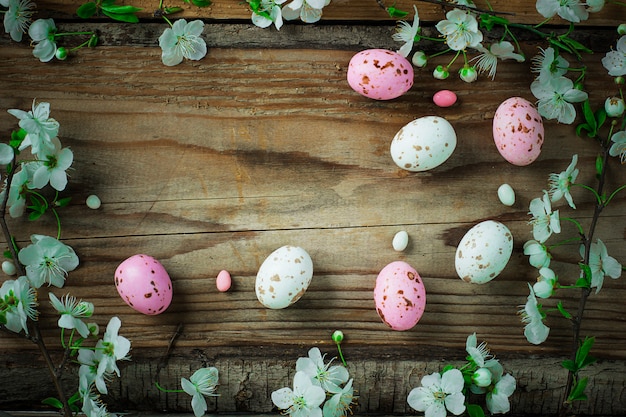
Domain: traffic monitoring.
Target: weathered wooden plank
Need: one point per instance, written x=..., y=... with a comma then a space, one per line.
x=338, y=10
x=214, y=164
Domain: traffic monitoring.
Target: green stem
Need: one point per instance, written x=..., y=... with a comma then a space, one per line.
x=576, y=223
x=623, y=187
x=593, y=191
x=563, y=242
x=72, y=34
x=168, y=390
x=56, y=216
x=341, y=355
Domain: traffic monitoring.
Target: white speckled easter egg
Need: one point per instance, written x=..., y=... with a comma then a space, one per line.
x=483, y=252
x=423, y=144
x=143, y=284
x=380, y=74
x=400, y=241
x=518, y=131
x=506, y=194
x=283, y=277
x=399, y=295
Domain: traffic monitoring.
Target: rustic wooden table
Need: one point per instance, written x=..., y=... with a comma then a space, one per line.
x=213, y=164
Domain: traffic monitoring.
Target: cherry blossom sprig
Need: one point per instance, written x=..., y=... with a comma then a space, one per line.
x=604, y=125
x=202, y=383
x=320, y=389
x=34, y=160
x=451, y=389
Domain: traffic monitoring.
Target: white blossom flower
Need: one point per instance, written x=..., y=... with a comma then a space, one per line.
x=478, y=354
x=182, y=40
x=18, y=303
x=269, y=12
x=544, y=220
x=615, y=60
x=324, y=375
x=468, y=3
x=72, y=311
x=594, y=6
x=487, y=61
x=535, y=331
x=544, y=287
x=549, y=64
x=17, y=18
x=52, y=167
x=202, y=382
x=614, y=106
x=6, y=154
x=438, y=393
x=21, y=183
x=570, y=10
x=42, y=32
x=89, y=372
x=339, y=404
x=406, y=33
x=47, y=260
x=618, y=148
x=39, y=126
x=309, y=11
x=303, y=401
x=538, y=254
x=601, y=264
x=555, y=98
x=497, y=397
x=460, y=29
x=562, y=182
x=112, y=348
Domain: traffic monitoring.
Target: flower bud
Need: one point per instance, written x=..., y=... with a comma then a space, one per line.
x=61, y=53
x=543, y=288
x=468, y=74
x=619, y=80
x=614, y=106
x=94, y=329
x=337, y=336
x=419, y=59
x=621, y=29
x=441, y=72
x=482, y=377
x=594, y=6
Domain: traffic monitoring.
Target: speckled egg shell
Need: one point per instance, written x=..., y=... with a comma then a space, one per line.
x=283, y=277
x=483, y=252
x=380, y=74
x=518, y=131
x=423, y=144
x=399, y=295
x=143, y=284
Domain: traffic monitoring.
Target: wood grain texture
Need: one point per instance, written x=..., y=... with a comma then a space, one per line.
x=213, y=164
x=338, y=10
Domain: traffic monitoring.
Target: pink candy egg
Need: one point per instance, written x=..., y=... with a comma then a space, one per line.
x=143, y=284
x=223, y=281
x=444, y=98
x=518, y=131
x=399, y=295
x=380, y=74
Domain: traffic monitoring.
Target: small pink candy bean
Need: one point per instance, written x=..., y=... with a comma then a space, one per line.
x=444, y=98
x=223, y=281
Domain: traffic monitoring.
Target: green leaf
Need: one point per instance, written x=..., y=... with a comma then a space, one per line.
x=489, y=21
x=599, y=165
x=585, y=280
x=62, y=202
x=576, y=45
x=590, y=118
x=7, y=254
x=583, y=352
x=129, y=18
x=115, y=9
x=53, y=402
x=584, y=127
x=17, y=137
x=201, y=3
x=87, y=10
x=578, y=390
x=570, y=365
x=563, y=311
x=172, y=10
x=600, y=116
x=396, y=13
x=34, y=215
x=560, y=45
x=475, y=410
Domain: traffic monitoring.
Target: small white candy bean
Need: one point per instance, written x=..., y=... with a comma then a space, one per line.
x=8, y=267
x=93, y=202
x=400, y=241
x=506, y=195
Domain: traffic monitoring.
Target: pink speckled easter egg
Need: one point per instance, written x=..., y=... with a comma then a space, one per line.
x=143, y=284
x=380, y=74
x=400, y=296
x=518, y=131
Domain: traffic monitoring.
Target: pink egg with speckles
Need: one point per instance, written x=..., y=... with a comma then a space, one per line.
x=143, y=284
x=518, y=131
x=399, y=295
x=380, y=74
